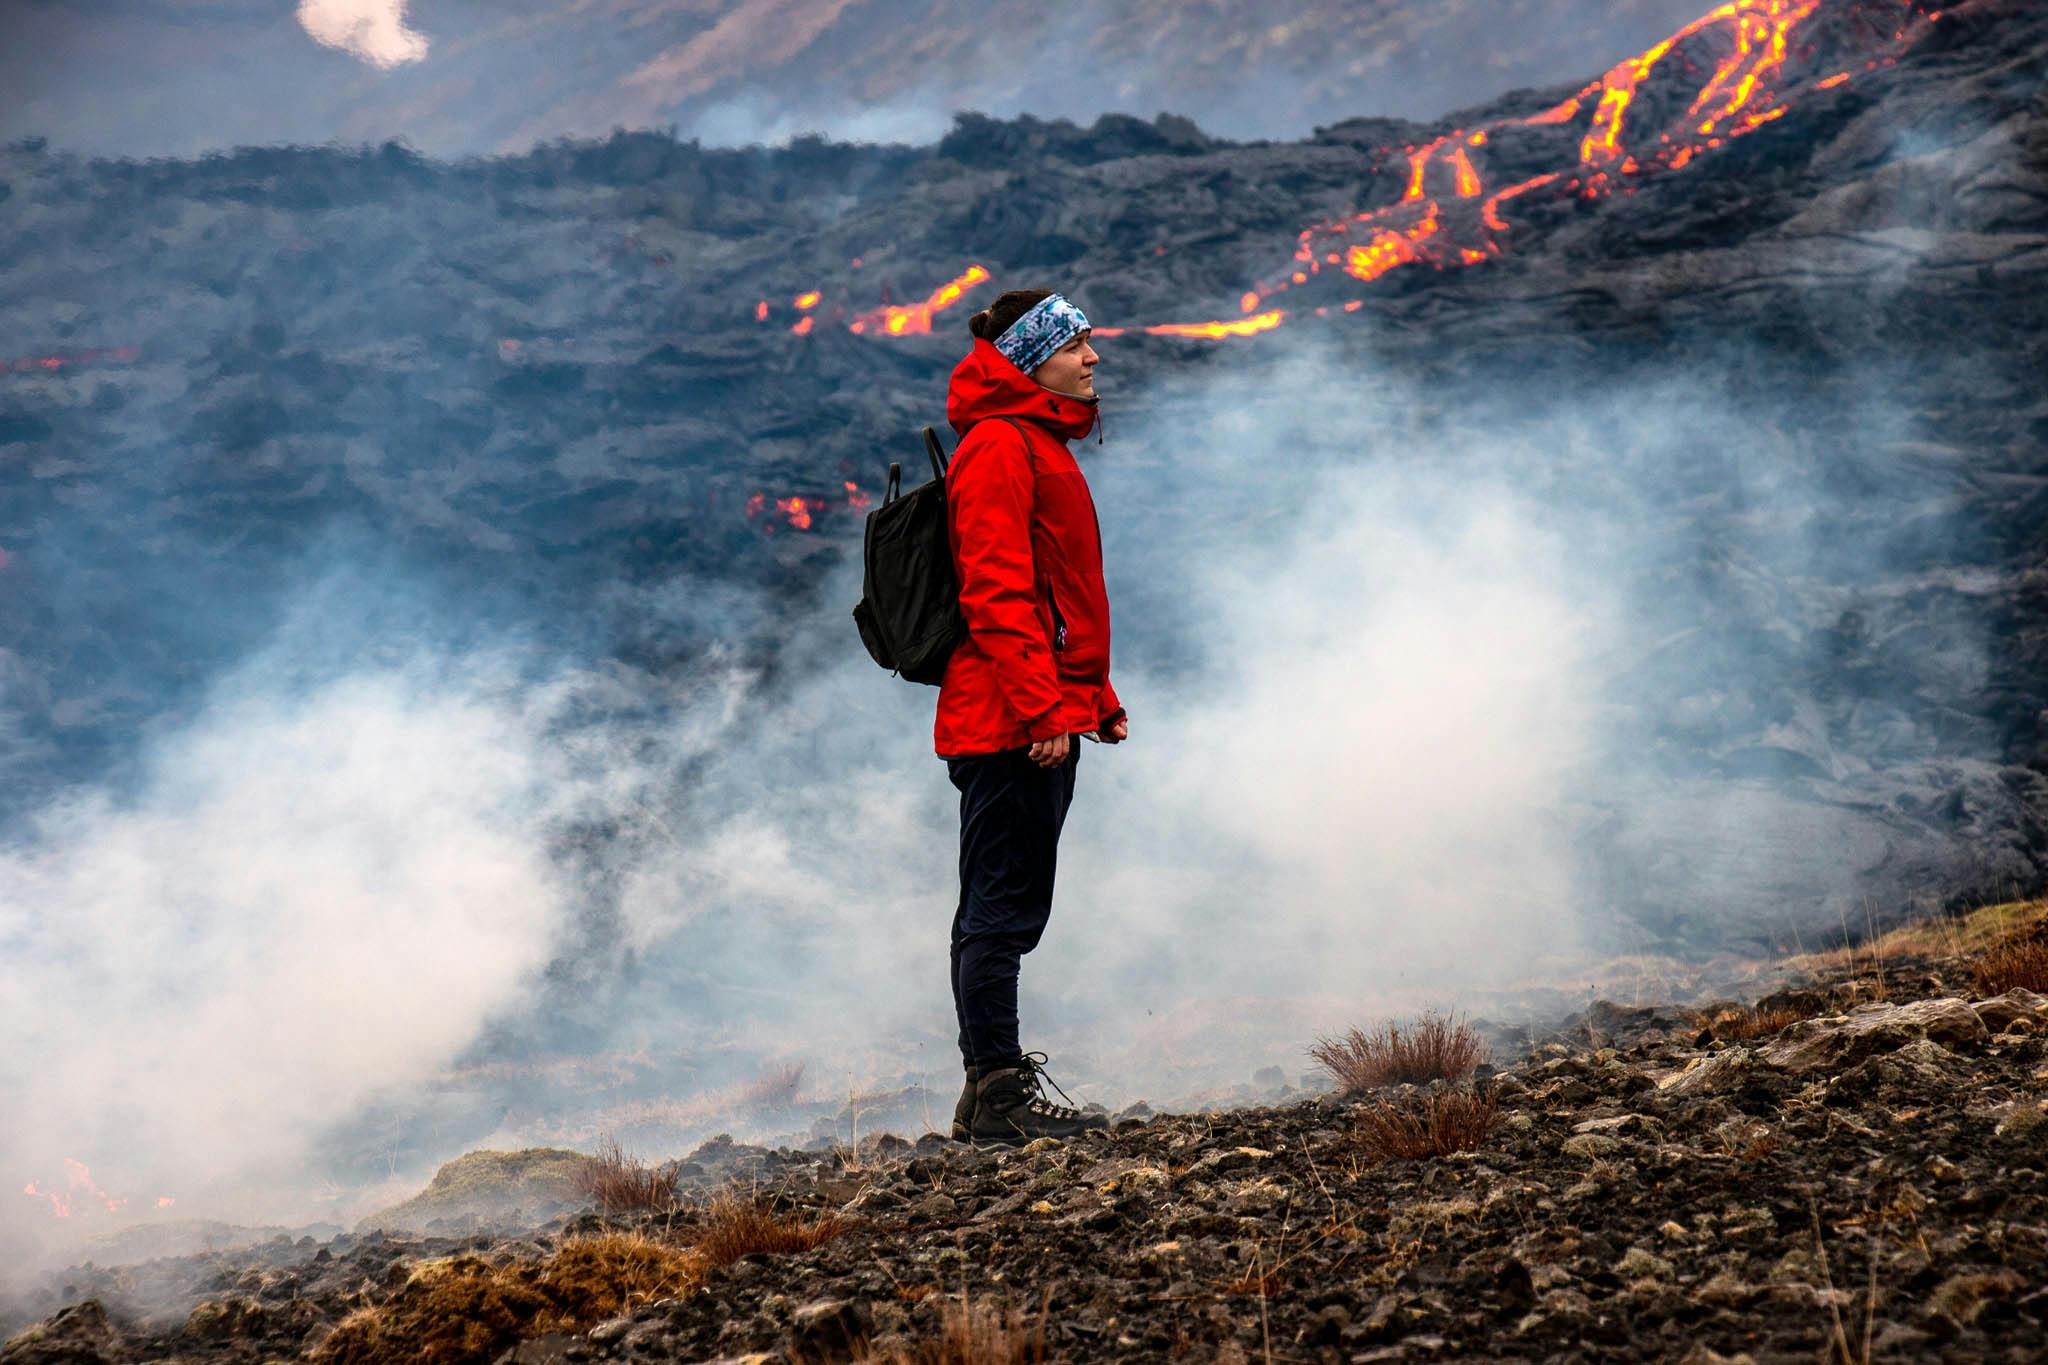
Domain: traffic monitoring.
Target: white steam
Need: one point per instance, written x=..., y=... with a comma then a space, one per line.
x=1390, y=670
x=309, y=898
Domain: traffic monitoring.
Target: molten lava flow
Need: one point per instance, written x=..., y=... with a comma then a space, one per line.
x=803, y=326
x=805, y=301
x=800, y=512
x=916, y=318
x=1740, y=55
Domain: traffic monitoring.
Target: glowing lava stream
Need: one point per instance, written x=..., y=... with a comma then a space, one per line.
x=1447, y=217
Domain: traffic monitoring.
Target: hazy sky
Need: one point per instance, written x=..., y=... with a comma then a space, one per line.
x=178, y=77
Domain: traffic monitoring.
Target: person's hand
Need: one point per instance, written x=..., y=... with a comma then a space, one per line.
x=1050, y=753
x=1116, y=732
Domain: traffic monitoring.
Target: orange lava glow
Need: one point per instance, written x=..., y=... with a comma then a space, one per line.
x=806, y=300
x=801, y=511
x=916, y=318
x=1448, y=217
x=803, y=326
x=1214, y=331
x=119, y=355
x=81, y=1194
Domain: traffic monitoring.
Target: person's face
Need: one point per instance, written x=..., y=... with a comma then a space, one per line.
x=1070, y=369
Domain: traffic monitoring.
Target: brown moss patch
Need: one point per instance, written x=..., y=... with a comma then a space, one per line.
x=465, y=1311
x=1434, y=1048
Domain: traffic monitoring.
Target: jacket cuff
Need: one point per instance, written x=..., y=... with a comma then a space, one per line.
x=1110, y=719
x=1047, y=726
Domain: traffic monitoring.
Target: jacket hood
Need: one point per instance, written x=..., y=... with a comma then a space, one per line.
x=985, y=384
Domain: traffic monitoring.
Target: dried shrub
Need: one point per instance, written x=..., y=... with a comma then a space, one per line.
x=1426, y=1125
x=734, y=1227
x=465, y=1310
x=973, y=1334
x=619, y=1183
x=2016, y=960
x=1434, y=1048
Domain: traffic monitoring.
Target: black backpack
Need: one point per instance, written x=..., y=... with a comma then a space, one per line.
x=909, y=613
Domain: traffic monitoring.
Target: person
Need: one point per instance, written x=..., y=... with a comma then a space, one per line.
x=1031, y=675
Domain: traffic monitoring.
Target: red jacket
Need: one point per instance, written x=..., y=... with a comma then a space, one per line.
x=1028, y=551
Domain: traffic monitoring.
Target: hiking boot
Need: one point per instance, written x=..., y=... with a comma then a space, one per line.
x=963, y=1112
x=1010, y=1105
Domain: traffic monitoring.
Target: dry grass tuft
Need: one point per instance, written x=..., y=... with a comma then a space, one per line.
x=1434, y=1048
x=734, y=1227
x=466, y=1311
x=619, y=1183
x=1426, y=1125
x=1940, y=936
x=1739, y=1025
x=974, y=1334
x=2016, y=960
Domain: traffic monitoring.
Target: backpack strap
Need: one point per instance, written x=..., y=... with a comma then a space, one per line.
x=935, y=452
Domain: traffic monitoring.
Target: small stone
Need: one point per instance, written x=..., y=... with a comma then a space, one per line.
x=1587, y=1146
x=1724, y=1289
x=1675, y=1232
x=610, y=1330
x=1044, y=1144
x=1639, y=1264
x=828, y=1327
x=1607, y=1125
x=2023, y=1117
x=1703, y=1354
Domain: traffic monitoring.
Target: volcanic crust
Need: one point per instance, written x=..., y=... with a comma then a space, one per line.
x=1865, y=1177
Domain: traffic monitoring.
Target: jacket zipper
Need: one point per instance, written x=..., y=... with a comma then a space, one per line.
x=1059, y=622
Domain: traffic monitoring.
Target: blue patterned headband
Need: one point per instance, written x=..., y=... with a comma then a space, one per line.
x=1050, y=323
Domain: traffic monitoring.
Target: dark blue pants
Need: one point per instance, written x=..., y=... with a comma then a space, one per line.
x=1011, y=813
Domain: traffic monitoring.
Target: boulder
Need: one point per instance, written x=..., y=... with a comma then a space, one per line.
x=1844, y=1040
x=2000, y=1012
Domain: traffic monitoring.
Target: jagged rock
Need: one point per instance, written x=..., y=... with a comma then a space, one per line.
x=1842, y=1040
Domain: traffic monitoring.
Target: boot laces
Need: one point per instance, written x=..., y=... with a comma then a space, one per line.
x=1032, y=1065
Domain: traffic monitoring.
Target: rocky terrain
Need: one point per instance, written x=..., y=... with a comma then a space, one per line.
x=1849, y=1170
x=604, y=401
